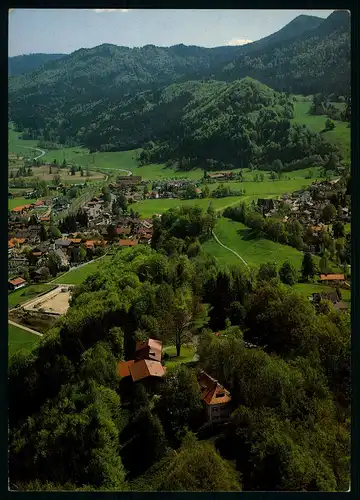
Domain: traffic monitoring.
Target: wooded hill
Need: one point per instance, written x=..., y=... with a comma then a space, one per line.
x=30, y=62
x=92, y=95
x=316, y=59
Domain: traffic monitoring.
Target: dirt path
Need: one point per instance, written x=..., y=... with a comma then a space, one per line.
x=230, y=250
x=25, y=328
x=35, y=149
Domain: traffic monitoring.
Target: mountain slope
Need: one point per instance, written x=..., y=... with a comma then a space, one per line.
x=79, y=98
x=210, y=124
x=316, y=61
x=30, y=62
x=295, y=28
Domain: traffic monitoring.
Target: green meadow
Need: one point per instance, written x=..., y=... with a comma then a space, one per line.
x=254, y=251
x=19, y=339
x=340, y=136
x=18, y=202
x=77, y=276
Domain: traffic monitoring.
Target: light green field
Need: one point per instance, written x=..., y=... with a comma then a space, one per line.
x=148, y=208
x=340, y=136
x=20, y=339
x=254, y=251
x=18, y=202
x=15, y=145
x=187, y=353
x=307, y=289
x=77, y=276
x=29, y=292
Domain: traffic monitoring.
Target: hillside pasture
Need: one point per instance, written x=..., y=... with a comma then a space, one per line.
x=340, y=136
x=78, y=275
x=254, y=250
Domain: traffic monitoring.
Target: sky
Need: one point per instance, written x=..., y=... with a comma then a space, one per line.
x=65, y=30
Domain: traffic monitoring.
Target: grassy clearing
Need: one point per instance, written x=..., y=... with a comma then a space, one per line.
x=16, y=145
x=187, y=353
x=254, y=251
x=19, y=339
x=27, y=293
x=269, y=188
x=340, y=136
x=149, y=207
x=77, y=276
x=18, y=202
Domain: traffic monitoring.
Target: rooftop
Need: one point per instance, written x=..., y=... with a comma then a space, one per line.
x=212, y=392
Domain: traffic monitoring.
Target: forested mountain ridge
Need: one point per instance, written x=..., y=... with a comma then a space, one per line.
x=30, y=62
x=317, y=59
x=298, y=26
x=91, y=96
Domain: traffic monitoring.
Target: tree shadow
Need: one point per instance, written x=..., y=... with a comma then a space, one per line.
x=247, y=234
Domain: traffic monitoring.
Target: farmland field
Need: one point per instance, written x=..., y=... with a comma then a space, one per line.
x=20, y=339
x=43, y=174
x=256, y=251
x=77, y=276
x=340, y=136
x=27, y=293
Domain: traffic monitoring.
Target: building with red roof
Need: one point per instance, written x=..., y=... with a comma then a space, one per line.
x=16, y=283
x=216, y=398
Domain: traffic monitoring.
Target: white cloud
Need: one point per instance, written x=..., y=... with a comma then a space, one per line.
x=238, y=41
x=111, y=10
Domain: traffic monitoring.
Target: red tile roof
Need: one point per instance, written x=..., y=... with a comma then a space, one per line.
x=146, y=368
x=127, y=243
x=332, y=277
x=17, y=281
x=124, y=368
x=212, y=392
x=150, y=349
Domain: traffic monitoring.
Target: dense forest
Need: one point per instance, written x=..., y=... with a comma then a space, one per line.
x=30, y=62
x=75, y=424
x=93, y=96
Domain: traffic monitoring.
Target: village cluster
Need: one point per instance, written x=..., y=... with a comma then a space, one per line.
x=36, y=239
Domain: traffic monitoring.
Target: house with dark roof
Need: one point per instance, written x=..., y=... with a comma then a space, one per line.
x=266, y=205
x=216, y=398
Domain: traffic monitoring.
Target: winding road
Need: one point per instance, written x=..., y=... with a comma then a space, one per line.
x=35, y=149
x=227, y=248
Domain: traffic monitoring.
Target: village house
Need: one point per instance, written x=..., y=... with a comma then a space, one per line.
x=266, y=205
x=64, y=259
x=16, y=283
x=147, y=362
x=220, y=175
x=62, y=244
x=328, y=279
x=128, y=243
x=332, y=296
x=216, y=398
